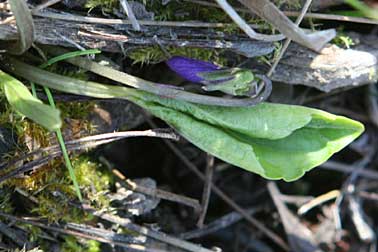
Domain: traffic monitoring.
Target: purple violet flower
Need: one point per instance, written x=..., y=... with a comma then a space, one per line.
x=189, y=68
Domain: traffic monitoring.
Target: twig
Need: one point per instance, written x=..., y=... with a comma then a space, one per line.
x=299, y=236
x=334, y=17
x=288, y=40
x=244, y=26
x=27, y=195
x=107, y=234
x=90, y=233
x=145, y=231
x=341, y=167
x=44, y=5
x=11, y=234
x=89, y=142
x=110, y=21
x=364, y=231
x=274, y=237
x=268, y=11
x=94, y=139
x=130, y=14
x=157, y=193
x=221, y=223
x=68, y=40
x=368, y=195
x=295, y=199
x=206, y=189
x=317, y=201
x=348, y=186
x=322, y=16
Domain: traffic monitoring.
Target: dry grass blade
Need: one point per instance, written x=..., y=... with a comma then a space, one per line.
x=129, y=12
x=206, y=190
x=299, y=236
x=268, y=11
x=25, y=28
x=288, y=40
x=217, y=225
x=79, y=144
x=244, y=26
x=86, y=232
x=145, y=231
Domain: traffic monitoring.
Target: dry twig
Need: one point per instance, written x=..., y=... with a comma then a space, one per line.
x=206, y=189
x=129, y=12
x=157, y=193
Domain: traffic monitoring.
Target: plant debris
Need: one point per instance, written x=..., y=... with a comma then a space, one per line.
x=156, y=103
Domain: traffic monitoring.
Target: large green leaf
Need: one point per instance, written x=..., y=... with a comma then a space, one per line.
x=274, y=140
x=20, y=98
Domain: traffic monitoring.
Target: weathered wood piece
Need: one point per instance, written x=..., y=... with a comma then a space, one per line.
x=333, y=68
x=117, y=37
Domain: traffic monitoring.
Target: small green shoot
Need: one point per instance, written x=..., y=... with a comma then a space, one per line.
x=50, y=98
x=343, y=40
x=20, y=98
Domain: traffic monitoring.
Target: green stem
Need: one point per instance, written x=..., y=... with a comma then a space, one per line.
x=50, y=98
x=34, y=89
x=58, y=132
x=67, y=84
x=60, y=138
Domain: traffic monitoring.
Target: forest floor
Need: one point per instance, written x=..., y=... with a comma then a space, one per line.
x=145, y=187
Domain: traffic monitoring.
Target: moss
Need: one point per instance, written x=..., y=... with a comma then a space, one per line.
x=54, y=179
x=56, y=209
x=154, y=54
x=343, y=40
x=75, y=110
x=105, y=5
x=53, y=189
x=94, y=180
x=72, y=244
x=33, y=232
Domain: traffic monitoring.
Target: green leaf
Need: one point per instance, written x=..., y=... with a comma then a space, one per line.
x=274, y=140
x=234, y=81
x=20, y=98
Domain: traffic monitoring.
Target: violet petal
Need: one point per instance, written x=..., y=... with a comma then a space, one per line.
x=188, y=68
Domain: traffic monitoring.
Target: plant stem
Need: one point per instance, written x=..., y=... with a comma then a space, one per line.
x=60, y=138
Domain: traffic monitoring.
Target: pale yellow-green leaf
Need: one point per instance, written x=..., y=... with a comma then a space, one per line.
x=20, y=98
